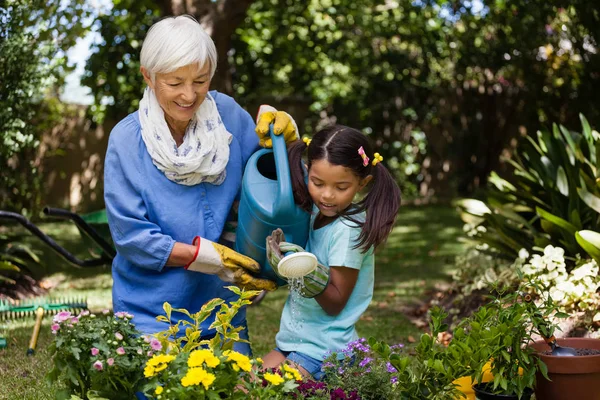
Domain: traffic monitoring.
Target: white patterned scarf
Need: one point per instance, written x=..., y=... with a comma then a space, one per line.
x=204, y=153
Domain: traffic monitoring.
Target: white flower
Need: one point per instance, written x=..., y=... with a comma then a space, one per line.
x=554, y=253
x=523, y=254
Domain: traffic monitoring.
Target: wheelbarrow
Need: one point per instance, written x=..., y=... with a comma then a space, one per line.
x=94, y=231
x=93, y=228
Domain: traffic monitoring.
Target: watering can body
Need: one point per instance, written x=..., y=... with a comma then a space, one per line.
x=267, y=203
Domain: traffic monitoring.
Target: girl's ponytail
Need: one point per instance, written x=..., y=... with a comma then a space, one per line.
x=381, y=204
x=299, y=188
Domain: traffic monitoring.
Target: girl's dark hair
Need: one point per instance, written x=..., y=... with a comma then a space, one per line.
x=339, y=145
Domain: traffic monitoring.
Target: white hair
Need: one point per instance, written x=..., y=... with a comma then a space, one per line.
x=176, y=42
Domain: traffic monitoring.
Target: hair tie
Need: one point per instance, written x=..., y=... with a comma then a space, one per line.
x=361, y=151
x=306, y=140
x=377, y=159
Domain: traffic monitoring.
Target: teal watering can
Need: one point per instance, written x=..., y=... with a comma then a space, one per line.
x=267, y=203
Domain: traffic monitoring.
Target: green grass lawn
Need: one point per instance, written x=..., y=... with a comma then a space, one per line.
x=419, y=254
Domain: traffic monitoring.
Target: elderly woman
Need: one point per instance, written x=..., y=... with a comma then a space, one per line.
x=173, y=170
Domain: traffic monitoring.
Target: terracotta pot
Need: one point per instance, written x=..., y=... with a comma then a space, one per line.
x=571, y=377
x=482, y=394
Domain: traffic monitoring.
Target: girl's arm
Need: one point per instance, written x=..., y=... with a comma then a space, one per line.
x=341, y=284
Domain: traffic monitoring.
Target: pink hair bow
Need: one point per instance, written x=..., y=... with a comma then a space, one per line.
x=365, y=158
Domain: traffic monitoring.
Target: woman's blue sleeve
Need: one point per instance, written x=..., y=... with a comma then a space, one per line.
x=138, y=240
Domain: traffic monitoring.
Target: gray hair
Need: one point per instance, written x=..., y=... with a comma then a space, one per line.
x=176, y=42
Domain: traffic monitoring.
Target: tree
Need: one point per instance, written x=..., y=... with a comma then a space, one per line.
x=112, y=72
x=34, y=37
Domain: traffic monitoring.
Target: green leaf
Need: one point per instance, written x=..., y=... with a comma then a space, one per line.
x=562, y=182
x=556, y=220
x=7, y=266
x=588, y=198
x=588, y=240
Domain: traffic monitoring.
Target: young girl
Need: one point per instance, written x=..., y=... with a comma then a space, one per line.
x=343, y=236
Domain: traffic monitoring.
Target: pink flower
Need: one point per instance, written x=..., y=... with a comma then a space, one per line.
x=149, y=354
x=74, y=320
x=120, y=351
x=155, y=344
x=84, y=313
x=95, y=351
x=98, y=365
x=105, y=311
x=123, y=314
x=118, y=336
x=140, y=351
x=62, y=316
x=110, y=361
x=55, y=328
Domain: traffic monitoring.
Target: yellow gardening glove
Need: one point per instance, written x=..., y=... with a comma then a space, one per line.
x=229, y=265
x=282, y=123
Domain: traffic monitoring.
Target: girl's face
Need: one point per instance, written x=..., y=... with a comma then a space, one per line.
x=180, y=93
x=333, y=187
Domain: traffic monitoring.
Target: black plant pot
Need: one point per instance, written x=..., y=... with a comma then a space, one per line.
x=481, y=393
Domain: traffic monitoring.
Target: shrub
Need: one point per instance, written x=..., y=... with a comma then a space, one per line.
x=97, y=356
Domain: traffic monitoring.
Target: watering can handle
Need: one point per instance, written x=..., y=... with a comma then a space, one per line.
x=285, y=197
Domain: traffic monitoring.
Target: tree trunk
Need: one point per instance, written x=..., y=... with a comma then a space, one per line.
x=220, y=19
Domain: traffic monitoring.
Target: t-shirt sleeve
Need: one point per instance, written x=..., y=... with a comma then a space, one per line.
x=341, y=248
x=136, y=238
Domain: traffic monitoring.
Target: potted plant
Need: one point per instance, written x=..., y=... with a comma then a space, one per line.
x=499, y=334
x=569, y=377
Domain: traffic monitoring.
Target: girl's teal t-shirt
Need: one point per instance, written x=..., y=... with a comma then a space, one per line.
x=305, y=327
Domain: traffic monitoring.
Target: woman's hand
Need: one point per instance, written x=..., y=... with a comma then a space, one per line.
x=229, y=265
x=282, y=123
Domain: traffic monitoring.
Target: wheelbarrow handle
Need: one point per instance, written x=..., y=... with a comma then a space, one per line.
x=84, y=226
x=97, y=262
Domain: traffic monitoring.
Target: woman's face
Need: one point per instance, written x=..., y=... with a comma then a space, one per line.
x=333, y=187
x=180, y=93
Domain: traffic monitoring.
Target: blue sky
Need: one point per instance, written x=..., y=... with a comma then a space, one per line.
x=78, y=55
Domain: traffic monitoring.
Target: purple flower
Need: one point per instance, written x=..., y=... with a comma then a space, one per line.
x=110, y=361
x=95, y=351
x=365, y=362
x=338, y=394
x=390, y=367
x=394, y=379
x=155, y=344
x=98, y=365
x=120, y=351
x=62, y=316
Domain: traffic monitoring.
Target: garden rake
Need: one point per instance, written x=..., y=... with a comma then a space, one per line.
x=39, y=307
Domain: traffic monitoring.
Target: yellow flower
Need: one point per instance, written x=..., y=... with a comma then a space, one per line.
x=291, y=372
x=273, y=379
x=240, y=360
x=196, y=376
x=260, y=360
x=197, y=357
x=159, y=390
x=157, y=364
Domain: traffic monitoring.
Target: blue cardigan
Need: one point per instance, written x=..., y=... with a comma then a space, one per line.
x=147, y=214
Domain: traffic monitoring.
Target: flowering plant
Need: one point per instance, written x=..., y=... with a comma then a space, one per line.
x=97, y=356
x=360, y=373
x=191, y=368
x=575, y=290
